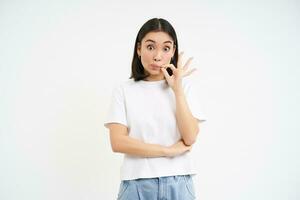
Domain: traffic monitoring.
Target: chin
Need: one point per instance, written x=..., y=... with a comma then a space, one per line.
x=155, y=74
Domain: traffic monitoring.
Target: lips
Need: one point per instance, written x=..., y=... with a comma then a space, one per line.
x=155, y=66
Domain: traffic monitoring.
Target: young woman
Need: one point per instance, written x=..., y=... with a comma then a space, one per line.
x=154, y=119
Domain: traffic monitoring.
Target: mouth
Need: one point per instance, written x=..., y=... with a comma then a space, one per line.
x=153, y=66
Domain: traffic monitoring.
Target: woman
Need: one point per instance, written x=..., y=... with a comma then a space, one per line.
x=153, y=119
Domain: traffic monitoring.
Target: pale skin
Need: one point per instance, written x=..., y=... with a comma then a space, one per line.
x=155, y=51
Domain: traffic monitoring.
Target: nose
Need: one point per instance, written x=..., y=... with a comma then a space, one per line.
x=157, y=56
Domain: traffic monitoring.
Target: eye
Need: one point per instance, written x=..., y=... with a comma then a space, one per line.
x=150, y=47
x=166, y=49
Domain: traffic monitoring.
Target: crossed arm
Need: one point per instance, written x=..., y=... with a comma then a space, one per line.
x=121, y=142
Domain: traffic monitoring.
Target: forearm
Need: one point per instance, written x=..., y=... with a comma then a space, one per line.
x=187, y=124
x=132, y=146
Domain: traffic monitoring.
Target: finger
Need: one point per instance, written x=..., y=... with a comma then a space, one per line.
x=187, y=64
x=172, y=67
x=166, y=65
x=179, y=62
x=190, y=72
x=188, y=148
x=166, y=74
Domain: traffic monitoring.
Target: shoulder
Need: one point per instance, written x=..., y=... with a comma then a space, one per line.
x=125, y=84
x=122, y=86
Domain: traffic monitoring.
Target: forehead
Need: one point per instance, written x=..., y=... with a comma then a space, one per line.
x=158, y=37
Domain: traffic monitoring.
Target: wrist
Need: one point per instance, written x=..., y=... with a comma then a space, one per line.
x=178, y=91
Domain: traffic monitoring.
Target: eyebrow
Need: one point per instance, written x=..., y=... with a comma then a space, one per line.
x=149, y=40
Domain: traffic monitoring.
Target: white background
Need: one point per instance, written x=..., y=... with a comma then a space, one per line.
x=59, y=61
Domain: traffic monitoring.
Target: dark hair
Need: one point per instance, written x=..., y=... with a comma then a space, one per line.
x=152, y=25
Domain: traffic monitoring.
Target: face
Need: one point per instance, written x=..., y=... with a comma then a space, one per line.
x=155, y=50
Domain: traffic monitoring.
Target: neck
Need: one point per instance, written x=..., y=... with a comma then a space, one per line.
x=155, y=78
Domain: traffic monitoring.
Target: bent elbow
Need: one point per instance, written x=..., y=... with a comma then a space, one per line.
x=189, y=142
x=115, y=148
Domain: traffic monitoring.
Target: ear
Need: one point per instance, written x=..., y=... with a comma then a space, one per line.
x=138, y=50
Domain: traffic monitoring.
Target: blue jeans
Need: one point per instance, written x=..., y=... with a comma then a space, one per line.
x=180, y=187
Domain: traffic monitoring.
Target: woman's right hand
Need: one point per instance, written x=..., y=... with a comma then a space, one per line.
x=177, y=149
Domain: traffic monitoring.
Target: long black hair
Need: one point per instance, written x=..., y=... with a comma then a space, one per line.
x=152, y=25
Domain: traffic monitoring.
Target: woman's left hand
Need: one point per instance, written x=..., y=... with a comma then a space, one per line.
x=181, y=71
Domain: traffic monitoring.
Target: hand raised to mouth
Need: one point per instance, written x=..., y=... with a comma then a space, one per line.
x=174, y=80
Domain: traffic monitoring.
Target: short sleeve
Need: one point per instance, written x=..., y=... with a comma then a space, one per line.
x=194, y=101
x=117, y=109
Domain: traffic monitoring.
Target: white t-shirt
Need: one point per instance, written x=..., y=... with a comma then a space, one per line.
x=148, y=108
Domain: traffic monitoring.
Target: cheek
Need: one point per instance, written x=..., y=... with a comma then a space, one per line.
x=168, y=56
x=147, y=57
